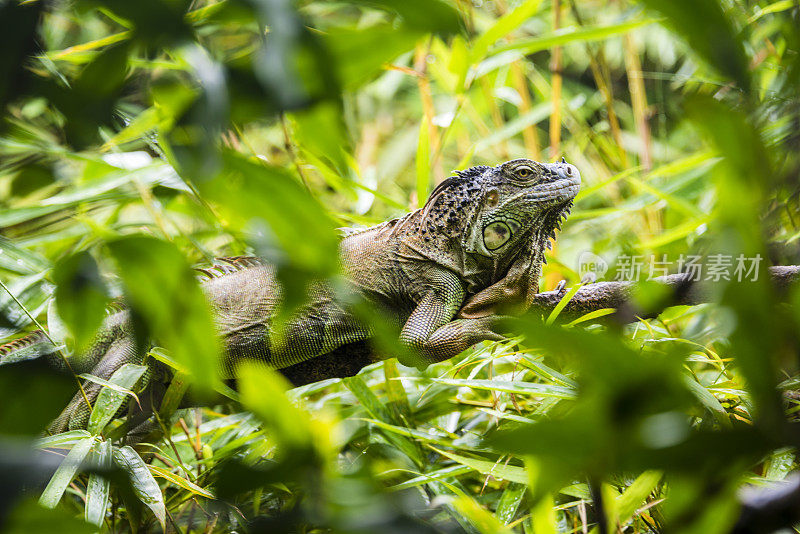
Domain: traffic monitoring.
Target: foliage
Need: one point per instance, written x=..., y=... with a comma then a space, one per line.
x=139, y=138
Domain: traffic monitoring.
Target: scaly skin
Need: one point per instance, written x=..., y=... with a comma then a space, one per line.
x=441, y=273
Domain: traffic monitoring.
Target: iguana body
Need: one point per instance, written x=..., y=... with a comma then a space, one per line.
x=440, y=273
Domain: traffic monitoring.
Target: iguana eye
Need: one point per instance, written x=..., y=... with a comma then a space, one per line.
x=524, y=172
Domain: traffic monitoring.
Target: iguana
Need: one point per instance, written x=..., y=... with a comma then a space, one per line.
x=440, y=273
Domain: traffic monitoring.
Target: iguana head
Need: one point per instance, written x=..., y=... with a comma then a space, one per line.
x=496, y=209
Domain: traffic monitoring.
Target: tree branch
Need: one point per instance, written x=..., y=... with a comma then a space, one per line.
x=617, y=295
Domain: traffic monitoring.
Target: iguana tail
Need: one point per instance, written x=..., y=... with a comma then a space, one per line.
x=28, y=347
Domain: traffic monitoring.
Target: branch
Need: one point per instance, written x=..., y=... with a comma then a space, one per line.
x=617, y=295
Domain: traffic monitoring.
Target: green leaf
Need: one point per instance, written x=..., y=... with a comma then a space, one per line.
x=320, y=130
x=383, y=416
x=520, y=388
x=562, y=303
x=285, y=223
x=423, y=161
x=111, y=398
x=31, y=395
x=144, y=485
x=596, y=314
x=17, y=23
x=709, y=33
x=497, y=469
x=63, y=440
x=543, y=516
x=432, y=16
x=180, y=481
x=509, y=502
x=634, y=495
x=360, y=55
x=162, y=290
x=28, y=516
x=263, y=392
x=572, y=34
x=502, y=27
x=65, y=472
x=81, y=297
x=483, y=521
x=437, y=474
x=97, y=489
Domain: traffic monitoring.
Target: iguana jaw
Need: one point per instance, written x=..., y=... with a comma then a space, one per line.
x=562, y=188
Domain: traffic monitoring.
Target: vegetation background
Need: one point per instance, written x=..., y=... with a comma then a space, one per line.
x=139, y=138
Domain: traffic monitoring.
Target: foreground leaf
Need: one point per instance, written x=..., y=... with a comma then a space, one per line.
x=144, y=485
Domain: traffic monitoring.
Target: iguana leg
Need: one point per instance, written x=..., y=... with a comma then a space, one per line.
x=430, y=329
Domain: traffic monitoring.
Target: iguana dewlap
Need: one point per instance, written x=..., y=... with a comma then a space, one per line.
x=440, y=273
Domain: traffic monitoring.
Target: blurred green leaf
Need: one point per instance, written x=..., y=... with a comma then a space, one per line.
x=31, y=395
x=18, y=24
x=160, y=288
x=263, y=392
x=434, y=16
x=362, y=54
x=81, y=296
x=320, y=130
x=502, y=27
x=286, y=225
x=569, y=35
x=28, y=516
x=483, y=521
x=710, y=33
x=743, y=178
x=155, y=22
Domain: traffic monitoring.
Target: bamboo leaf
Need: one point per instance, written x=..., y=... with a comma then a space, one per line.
x=509, y=502
x=113, y=394
x=97, y=489
x=65, y=473
x=521, y=388
x=180, y=481
x=497, y=469
x=570, y=35
x=144, y=485
x=62, y=440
